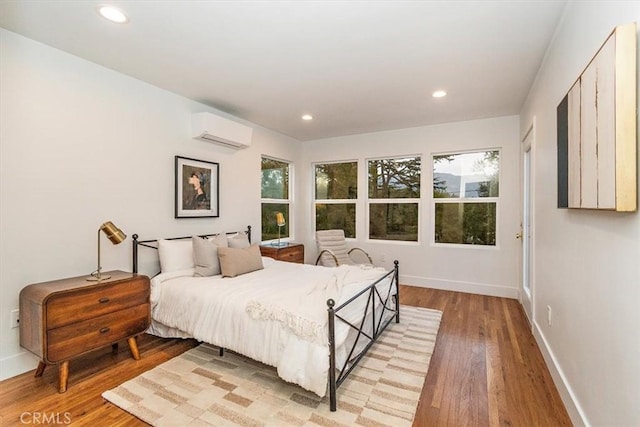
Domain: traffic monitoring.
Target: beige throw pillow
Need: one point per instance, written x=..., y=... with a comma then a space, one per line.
x=205, y=254
x=234, y=262
x=239, y=241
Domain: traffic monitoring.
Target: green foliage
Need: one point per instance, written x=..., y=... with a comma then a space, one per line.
x=394, y=178
x=269, y=226
x=336, y=181
x=393, y=221
x=275, y=185
x=466, y=223
x=275, y=179
x=342, y=216
x=461, y=179
x=490, y=162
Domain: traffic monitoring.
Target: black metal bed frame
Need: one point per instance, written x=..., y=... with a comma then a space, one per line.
x=148, y=243
x=378, y=322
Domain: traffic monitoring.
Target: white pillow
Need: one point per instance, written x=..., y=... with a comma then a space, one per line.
x=175, y=255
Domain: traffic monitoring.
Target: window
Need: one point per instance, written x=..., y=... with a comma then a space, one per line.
x=465, y=195
x=336, y=188
x=394, y=198
x=275, y=197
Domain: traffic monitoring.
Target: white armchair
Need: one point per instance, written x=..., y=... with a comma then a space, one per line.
x=334, y=252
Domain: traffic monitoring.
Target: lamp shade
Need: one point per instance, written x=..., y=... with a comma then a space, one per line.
x=280, y=219
x=114, y=234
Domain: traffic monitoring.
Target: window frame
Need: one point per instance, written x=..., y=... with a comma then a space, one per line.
x=413, y=200
x=289, y=201
x=463, y=200
x=315, y=201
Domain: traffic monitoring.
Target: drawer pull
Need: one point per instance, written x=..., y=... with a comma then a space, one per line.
x=103, y=300
x=104, y=330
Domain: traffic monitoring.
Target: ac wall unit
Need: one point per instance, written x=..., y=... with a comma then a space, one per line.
x=211, y=128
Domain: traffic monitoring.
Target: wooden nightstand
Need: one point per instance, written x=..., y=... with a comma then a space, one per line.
x=64, y=319
x=293, y=252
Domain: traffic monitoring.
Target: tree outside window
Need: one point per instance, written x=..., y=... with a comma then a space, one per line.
x=336, y=188
x=275, y=190
x=465, y=193
x=394, y=198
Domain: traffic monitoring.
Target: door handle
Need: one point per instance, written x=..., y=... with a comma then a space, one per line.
x=518, y=235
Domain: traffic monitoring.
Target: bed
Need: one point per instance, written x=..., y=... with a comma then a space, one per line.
x=312, y=323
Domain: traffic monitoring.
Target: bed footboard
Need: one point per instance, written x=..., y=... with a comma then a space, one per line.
x=387, y=311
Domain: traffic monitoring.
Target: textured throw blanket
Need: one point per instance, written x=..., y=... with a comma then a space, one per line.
x=291, y=298
x=303, y=310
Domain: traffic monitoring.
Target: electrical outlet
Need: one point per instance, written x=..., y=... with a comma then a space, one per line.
x=549, y=315
x=15, y=318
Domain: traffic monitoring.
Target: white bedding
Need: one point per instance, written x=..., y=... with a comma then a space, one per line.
x=277, y=315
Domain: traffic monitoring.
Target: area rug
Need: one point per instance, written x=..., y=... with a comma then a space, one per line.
x=200, y=388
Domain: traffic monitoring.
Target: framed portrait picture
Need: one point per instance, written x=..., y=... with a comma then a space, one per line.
x=197, y=188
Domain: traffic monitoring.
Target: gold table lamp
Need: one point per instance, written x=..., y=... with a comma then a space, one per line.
x=280, y=222
x=115, y=235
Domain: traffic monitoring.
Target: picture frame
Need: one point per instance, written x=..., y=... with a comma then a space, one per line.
x=197, y=188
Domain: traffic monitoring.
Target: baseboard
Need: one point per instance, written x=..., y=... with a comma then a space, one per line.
x=17, y=364
x=459, y=286
x=577, y=415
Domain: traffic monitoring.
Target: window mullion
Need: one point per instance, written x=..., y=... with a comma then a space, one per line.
x=276, y=201
x=466, y=200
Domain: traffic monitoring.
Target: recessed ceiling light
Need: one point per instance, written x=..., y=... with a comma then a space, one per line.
x=307, y=117
x=439, y=94
x=113, y=14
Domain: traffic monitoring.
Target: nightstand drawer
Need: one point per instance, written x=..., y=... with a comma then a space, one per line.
x=292, y=252
x=294, y=255
x=72, y=340
x=82, y=304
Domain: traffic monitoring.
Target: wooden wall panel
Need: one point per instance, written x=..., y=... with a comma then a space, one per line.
x=597, y=130
x=605, y=125
x=563, y=157
x=626, y=119
x=588, y=138
x=573, y=142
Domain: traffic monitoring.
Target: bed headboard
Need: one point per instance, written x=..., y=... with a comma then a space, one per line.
x=153, y=243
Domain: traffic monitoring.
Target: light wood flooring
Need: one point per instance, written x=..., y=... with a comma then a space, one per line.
x=486, y=371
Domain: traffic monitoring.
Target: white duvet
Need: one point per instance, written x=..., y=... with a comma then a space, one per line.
x=277, y=315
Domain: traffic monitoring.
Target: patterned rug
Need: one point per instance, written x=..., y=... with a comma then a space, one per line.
x=199, y=388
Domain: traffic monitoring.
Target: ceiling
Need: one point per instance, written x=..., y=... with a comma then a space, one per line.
x=356, y=66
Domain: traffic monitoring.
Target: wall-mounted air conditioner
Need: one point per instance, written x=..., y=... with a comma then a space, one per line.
x=211, y=128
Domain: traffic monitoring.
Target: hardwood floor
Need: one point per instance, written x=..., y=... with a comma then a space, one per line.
x=486, y=371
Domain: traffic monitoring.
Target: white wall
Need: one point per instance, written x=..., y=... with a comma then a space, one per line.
x=490, y=271
x=81, y=144
x=586, y=262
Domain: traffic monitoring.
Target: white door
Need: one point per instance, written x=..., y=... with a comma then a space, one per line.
x=526, y=232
